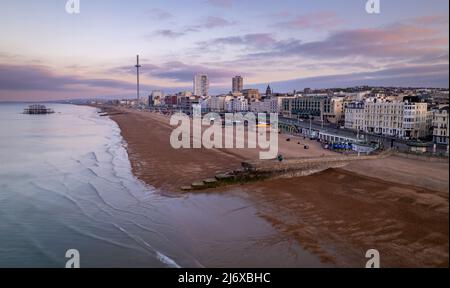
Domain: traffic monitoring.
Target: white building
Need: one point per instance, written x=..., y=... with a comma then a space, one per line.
x=217, y=103
x=415, y=124
x=258, y=107
x=356, y=96
x=268, y=105
x=236, y=104
x=156, y=98
x=205, y=103
x=441, y=125
x=128, y=102
x=406, y=119
x=240, y=104
x=354, y=116
x=384, y=118
x=333, y=110
x=201, y=85
x=274, y=105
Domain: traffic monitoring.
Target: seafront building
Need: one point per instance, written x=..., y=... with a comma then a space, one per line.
x=171, y=101
x=267, y=105
x=355, y=116
x=302, y=107
x=128, y=102
x=156, y=98
x=407, y=119
x=412, y=114
x=441, y=125
x=328, y=109
x=383, y=117
x=333, y=110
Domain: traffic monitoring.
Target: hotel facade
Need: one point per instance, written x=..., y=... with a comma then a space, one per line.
x=402, y=119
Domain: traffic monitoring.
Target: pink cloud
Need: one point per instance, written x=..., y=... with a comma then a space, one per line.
x=431, y=20
x=398, y=41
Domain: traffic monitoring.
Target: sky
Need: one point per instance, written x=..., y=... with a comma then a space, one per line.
x=49, y=54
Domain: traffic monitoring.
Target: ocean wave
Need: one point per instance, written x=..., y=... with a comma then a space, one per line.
x=88, y=188
x=159, y=255
x=166, y=260
x=91, y=156
x=101, y=238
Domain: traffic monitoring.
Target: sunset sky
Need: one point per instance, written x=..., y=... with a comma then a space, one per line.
x=47, y=54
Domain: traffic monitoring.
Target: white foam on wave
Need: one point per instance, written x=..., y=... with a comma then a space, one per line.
x=166, y=260
x=159, y=256
x=91, y=183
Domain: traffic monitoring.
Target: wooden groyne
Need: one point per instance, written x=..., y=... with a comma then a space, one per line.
x=107, y=111
x=265, y=169
x=300, y=166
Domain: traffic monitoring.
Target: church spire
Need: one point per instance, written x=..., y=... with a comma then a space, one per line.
x=268, y=91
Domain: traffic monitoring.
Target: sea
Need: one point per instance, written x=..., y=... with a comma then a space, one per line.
x=66, y=183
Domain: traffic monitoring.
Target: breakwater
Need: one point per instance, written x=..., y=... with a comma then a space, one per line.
x=265, y=169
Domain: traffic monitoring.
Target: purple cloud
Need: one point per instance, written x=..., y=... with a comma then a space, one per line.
x=169, y=33
x=180, y=72
x=210, y=22
x=40, y=78
x=318, y=20
x=214, y=22
x=435, y=76
x=159, y=14
x=249, y=40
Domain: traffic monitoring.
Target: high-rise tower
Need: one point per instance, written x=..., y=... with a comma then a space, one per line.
x=238, y=84
x=137, y=74
x=201, y=85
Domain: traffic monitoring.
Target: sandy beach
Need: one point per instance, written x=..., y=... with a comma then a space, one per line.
x=155, y=161
x=398, y=206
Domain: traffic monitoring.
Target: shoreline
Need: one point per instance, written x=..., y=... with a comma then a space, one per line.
x=406, y=199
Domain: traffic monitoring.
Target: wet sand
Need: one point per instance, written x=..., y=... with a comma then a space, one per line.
x=429, y=175
x=337, y=214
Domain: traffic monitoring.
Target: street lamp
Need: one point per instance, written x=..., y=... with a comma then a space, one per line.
x=311, y=118
x=322, y=121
